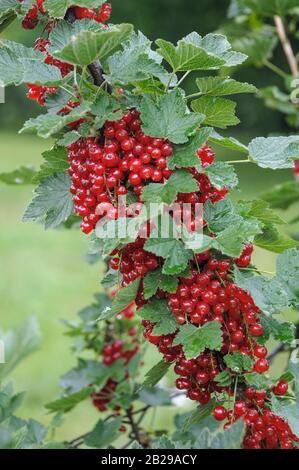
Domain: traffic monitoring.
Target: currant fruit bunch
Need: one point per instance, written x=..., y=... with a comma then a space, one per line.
x=123, y=158
x=264, y=429
x=101, y=16
x=115, y=351
x=133, y=261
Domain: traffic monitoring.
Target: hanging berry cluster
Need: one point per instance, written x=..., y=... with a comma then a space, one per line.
x=115, y=351
x=123, y=158
x=210, y=295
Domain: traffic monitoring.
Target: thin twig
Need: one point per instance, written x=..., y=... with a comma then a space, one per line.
x=287, y=47
x=134, y=426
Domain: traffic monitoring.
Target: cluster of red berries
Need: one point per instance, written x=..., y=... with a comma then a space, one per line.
x=196, y=376
x=101, y=170
x=264, y=429
x=133, y=261
x=113, y=351
x=206, y=296
x=101, y=16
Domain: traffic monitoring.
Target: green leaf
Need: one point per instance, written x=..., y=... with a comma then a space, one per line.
x=181, y=181
x=87, y=372
x=223, y=86
x=231, y=438
x=278, y=329
x=105, y=109
x=270, y=7
x=124, y=297
x=261, y=210
x=55, y=102
x=294, y=371
x=8, y=7
x=48, y=124
x=283, y=195
x=18, y=344
x=9, y=402
x=155, y=396
x=222, y=175
x=256, y=380
x=176, y=255
x=84, y=41
x=103, y=434
x=258, y=45
x=168, y=118
x=288, y=411
x=155, y=280
x=220, y=215
x=228, y=142
x=238, y=362
x=58, y=8
x=159, y=313
x=198, y=415
x=55, y=162
x=186, y=156
x=68, y=402
x=272, y=240
x=275, y=99
x=156, y=373
x=136, y=63
x=69, y=138
x=194, y=52
x=196, y=340
x=110, y=279
x=135, y=445
x=22, y=176
x=52, y=202
x=223, y=379
x=232, y=229
x=164, y=442
x=274, y=152
x=219, y=112
x=268, y=294
x=20, y=64
x=288, y=274
x=231, y=240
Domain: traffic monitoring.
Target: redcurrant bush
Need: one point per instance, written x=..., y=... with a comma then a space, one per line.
x=135, y=165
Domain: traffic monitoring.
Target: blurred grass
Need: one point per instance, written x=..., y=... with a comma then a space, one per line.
x=43, y=273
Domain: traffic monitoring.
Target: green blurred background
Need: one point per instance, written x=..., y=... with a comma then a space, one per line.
x=44, y=273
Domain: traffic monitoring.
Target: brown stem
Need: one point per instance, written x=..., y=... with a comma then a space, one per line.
x=287, y=47
x=135, y=428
